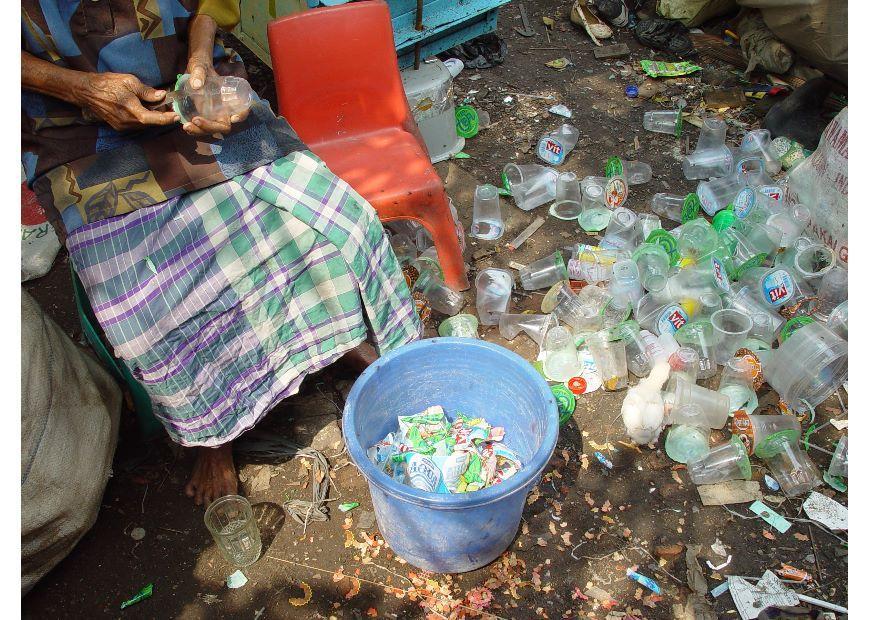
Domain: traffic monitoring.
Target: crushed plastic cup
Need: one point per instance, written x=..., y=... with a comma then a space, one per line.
x=838, y=466
x=561, y=361
x=808, y=367
x=535, y=326
x=697, y=239
x=813, y=262
x=637, y=172
x=684, y=363
x=791, y=222
x=638, y=360
x=789, y=463
x=439, y=296
x=493, y=287
x=728, y=461
x=658, y=317
x=622, y=232
x=653, y=266
x=730, y=328
x=713, y=407
x=609, y=354
x=832, y=291
x=544, y=272
x=647, y=223
x=684, y=442
x=699, y=335
x=625, y=282
x=459, y=326
x=571, y=311
x=531, y=185
x=717, y=193
x=838, y=320
x=488, y=222
x=555, y=146
x=755, y=429
x=737, y=383
x=568, y=205
x=663, y=121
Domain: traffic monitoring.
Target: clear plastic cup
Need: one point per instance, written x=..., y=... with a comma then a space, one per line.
x=459, y=326
x=571, y=311
x=788, y=256
x=728, y=461
x=717, y=193
x=653, y=266
x=487, y=220
x=791, y=222
x=813, y=262
x=730, y=328
x=637, y=172
x=625, y=283
x=755, y=429
x=753, y=240
x=838, y=466
x=697, y=239
x=439, y=296
x=561, y=361
x=535, y=326
x=790, y=464
x=647, y=223
x=637, y=358
x=663, y=121
x=707, y=163
x=684, y=443
x=621, y=233
x=544, y=272
x=709, y=303
x=699, y=335
x=235, y=530
x=555, y=146
x=807, y=368
x=594, y=297
x=531, y=185
x=684, y=363
x=746, y=300
x=838, y=320
x=659, y=317
x=610, y=360
x=668, y=206
x=568, y=205
x=219, y=98
x=759, y=142
x=736, y=382
x=592, y=264
x=775, y=286
x=493, y=287
x=713, y=406
x=712, y=134
x=832, y=291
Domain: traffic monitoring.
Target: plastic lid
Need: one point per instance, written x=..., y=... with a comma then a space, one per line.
x=691, y=207
x=723, y=219
x=754, y=261
x=792, y=325
x=662, y=237
x=774, y=443
x=464, y=321
x=744, y=459
x=566, y=403
x=467, y=121
x=631, y=90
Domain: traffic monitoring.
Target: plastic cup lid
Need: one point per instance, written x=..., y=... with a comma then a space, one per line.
x=467, y=121
x=792, y=325
x=599, y=222
x=662, y=237
x=691, y=207
x=577, y=385
x=773, y=444
x=723, y=219
x=743, y=458
x=631, y=90
x=566, y=403
x=754, y=261
x=449, y=325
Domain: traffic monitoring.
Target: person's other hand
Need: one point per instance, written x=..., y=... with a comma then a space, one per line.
x=117, y=99
x=199, y=68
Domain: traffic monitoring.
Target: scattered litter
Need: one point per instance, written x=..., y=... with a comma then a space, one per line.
x=751, y=599
x=827, y=511
x=720, y=589
x=771, y=483
x=527, y=232
x=138, y=533
x=719, y=548
x=347, y=506
x=236, y=580
x=720, y=566
x=601, y=458
x=560, y=110
x=647, y=582
x=793, y=574
x=619, y=50
x=729, y=492
x=142, y=595
x=631, y=91
x=839, y=424
x=460, y=155
x=560, y=64
x=657, y=68
x=303, y=600
x=770, y=516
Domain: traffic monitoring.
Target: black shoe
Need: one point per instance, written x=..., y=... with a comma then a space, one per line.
x=615, y=11
x=665, y=35
x=799, y=116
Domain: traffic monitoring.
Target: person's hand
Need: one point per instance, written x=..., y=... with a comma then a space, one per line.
x=199, y=68
x=117, y=99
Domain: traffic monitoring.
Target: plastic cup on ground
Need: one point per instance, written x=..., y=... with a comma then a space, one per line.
x=759, y=142
x=707, y=163
x=488, y=222
x=493, y=287
x=531, y=185
x=712, y=133
x=789, y=463
x=699, y=335
x=638, y=360
x=789, y=152
x=813, y=262
x=647, y=223
x=592, y=264
x=637, y=172
x=790, y=222
x=684, y=443
x=717, y=193
x=754, y=239
x=838, y=320
x=832, y=291
x=730, y=328
x=697, y=238
x=621, y=232
x=535, y=326
x=662, y=121
x=668, y=206
x=625, y=282
x=746, y=300
x=755, y=429
x=235, y=530
x=761, y=328
x=610, y=359
x=571, y=311
x=713, y=407
x=653, y=265
x=659, y=317
x=561, y=361
x=544, y=272
x=684, y=363
x=709, y=303
x=568, y=205
x=459, y=326
x=617, y=183
x=555, y=146
x=838, y=466
x=439, y=296
x=736, y=382
x=775, y=286
x=728, y=461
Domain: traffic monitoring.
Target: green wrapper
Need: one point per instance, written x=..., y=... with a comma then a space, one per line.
x=139, y=596
x=658, y=68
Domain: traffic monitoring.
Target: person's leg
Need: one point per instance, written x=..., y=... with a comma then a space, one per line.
x=214, y=474
x=360, y=358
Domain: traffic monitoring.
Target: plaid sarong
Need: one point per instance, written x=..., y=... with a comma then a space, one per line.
x=221, y=301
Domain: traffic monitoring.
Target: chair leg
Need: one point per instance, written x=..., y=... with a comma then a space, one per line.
x=440, y=225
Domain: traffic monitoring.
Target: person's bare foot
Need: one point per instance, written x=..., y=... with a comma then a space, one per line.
x=213, y=476
x=360, y=358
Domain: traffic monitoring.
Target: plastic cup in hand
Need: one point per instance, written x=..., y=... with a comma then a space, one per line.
x=756, y=429
x=736, y=382
x=535, y=326
x=219, y=98
x=569, y=203
x=561, y=361
x=717, y=193
x=459, y=326
x=610, y=360
x=531, y=184
x=697, y=238
x=832, y=291
x=439, y=296
x=814, y=261
x=555, y=146
x=621, y=233
x=759, y=142
x=232, y=525
x=728, y=461
x=664, y=121
x=684, y=443
x=544, y=272
x=487, y=223
x=685, y=363
x=713, y=406
x=493, y=288
x=731, y=328
x=699, y=335
x=789, y=463
x=625, y=283
x=637, y=357
x=653, y=266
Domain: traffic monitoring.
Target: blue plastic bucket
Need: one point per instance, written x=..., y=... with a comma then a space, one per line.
x=452, y=533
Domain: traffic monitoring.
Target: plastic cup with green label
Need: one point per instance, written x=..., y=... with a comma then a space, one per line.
x=544, y=272
x=617, y=185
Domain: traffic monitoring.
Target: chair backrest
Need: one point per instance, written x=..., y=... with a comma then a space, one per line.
x=336, y=71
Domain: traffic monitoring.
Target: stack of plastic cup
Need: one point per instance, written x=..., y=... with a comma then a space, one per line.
x=459, y=326
x=711, y=408
x=544, y=272
x=621, y=233
x=531, y=184
x=728, y=461
x=653, y=265
x=712, y=158
x=832, y=291
x=561, y=361
x=493, y=288
x=487, y=221
x=808, y=367
x=610, y=360
x=699, y=336
x=790, y=465
x=568, y=205
x=730, y=328
x=736, y=382
x=637, y=359
x=534, y=325
x=685, y=443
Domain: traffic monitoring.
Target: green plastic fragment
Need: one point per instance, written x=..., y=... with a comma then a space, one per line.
x=347, y=506
x=139, y=596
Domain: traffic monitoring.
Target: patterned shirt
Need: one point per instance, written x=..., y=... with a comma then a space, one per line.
x=84, y=171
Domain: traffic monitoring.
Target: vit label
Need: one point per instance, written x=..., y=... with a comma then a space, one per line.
x=671, y=320
x=551, y=151
x=777, y=288
x=744, y=202
x=720, y=276
x=775, y=192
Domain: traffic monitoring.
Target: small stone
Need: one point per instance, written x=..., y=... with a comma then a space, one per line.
x=328, y=438
x=138, y=533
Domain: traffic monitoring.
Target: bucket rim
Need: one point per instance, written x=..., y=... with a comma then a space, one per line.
x=439, y=501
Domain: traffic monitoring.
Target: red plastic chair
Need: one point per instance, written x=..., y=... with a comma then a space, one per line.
x=338, y=85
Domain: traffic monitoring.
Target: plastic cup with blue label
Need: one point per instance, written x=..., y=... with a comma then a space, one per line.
x=555, y=146
x=776, y=286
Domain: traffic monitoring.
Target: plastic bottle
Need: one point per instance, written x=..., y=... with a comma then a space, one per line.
x=220, y=97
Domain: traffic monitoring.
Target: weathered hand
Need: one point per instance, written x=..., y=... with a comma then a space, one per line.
x=116, y=98
x=199, y=68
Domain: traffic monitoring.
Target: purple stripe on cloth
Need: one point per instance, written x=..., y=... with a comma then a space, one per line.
x=147, y=214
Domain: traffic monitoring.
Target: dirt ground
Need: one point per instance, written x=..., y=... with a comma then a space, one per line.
x=583, y=526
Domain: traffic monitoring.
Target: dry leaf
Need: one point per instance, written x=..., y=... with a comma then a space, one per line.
x=639, y=592
x=552, y=528
x=349, y=541
x=372, y=612
x=600, y=446
x=768, y=535
x=549, y=22
x=677, y=478
x=589, y=500
x=566, y=538
x=308, y=594
x=607, y=519
x=354, y=590
x=534, y=496
x=338, y=575
x=606, y=507
x=525, y=529
x=541, y=542
x=801, y=537
x=584, y=461
x=566, y=456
